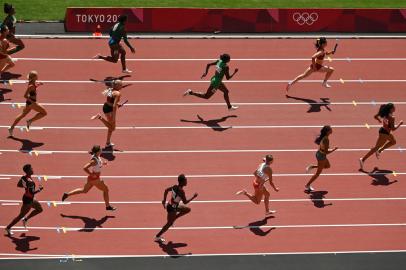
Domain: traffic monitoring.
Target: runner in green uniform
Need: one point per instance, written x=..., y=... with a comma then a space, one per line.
x=216, y=82
x=118, y=32
x=11, y=21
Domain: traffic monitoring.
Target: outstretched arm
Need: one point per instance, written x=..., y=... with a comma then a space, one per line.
x=208, y=67
x=227, y=73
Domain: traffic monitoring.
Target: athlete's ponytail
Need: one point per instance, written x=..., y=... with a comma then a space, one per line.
x=323, y=132
x=7, y=8
x=320, y=42
x=95, y=149
x=385, y=110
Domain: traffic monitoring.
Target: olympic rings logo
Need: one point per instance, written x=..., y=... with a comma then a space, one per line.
x=305, y=18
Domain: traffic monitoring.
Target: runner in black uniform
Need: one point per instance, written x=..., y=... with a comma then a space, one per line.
x=173, y=208
x=28, y=199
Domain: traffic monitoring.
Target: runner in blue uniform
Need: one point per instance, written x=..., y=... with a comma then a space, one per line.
x=118, y=33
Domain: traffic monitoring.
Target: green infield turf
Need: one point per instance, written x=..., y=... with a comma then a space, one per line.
x=55, y=9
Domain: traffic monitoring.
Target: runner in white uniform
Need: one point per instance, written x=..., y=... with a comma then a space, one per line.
x=93, y=178
x=262, y=175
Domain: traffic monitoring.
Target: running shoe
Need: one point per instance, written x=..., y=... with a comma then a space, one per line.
x=187, y=93
x=24, y=221
x=159, y=240
x=127, y=71
x=325, y=84
x=8, y=232
x=309, y=189
x=10, y=131
x=111, y=208
x=233, y=108
x=64, y=196
x=361, y=164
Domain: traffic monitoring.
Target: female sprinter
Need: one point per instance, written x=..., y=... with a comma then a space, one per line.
x=31, y=103
x=317, y=64
x=118, y=32
x=10, y=21
x=321, y=156
x=6, y=62
x=93, y=178
x=113, y=96
x=262, y=175
x=385, y=139
x=216, y=82
x=28, y=184
x=173, y=208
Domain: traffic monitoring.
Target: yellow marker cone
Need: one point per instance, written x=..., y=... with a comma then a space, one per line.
x=54, y=204
x=64, y=229
x=354, y=103
x=341, y=80
x=45, y=178
x=329, y=59
x=11, y=82
x=394, y=173
x=36, y=153
x=18, y=105
x=367, y=126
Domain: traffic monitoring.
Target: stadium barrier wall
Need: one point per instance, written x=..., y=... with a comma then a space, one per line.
x=184, y=20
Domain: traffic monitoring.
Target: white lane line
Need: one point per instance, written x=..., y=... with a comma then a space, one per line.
x=345, y=59
x=19, y=256
x=232, y=81
x=17, y=202
x=303, y=226
x=32, y=128
x=220, y=36
x=9, y=204
x=225, y=151
x=374, y=103
x=212, y=176
x=4, y=178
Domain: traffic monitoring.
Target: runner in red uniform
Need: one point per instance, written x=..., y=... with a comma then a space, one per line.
x=317, y=64
x=386, y=138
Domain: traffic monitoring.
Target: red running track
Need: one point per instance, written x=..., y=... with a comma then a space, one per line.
x=353, y=213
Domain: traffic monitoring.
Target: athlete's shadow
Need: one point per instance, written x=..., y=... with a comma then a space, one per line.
x=109, y=79
x=315, y=106
x=89, y=223
x=26, y=145
x=213, y=123
x=170, y=248
x=23, y=243
x=317, y=198
x=4, y=91
x=256, y=229
x=379, y=177
x=9, y=76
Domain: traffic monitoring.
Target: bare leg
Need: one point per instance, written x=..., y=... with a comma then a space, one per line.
x=21, y=116
x=102, y=186
x=389, y=143
x=305, y=74
x=170, y=220
x=379, y=143
x=37, y=209
x=41, y=112
x=85, y=189
x=209, y=93
x=25, y=208
x=225, y=91
x=321, y=165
